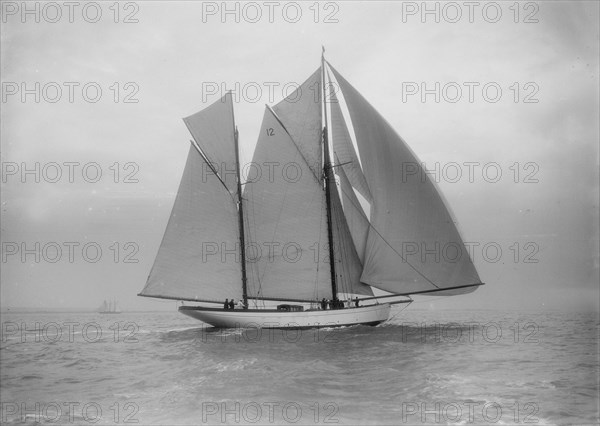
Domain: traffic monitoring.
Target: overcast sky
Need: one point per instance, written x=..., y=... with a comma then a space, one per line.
x=540, y=131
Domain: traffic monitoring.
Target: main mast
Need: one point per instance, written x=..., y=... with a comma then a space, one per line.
x=240, y=212
x=328, y=171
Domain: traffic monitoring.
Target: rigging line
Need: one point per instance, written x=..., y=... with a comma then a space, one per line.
x=345, y=283
x=346, y=244
x=342, y=250
x=259, y=274
x=255, y=272
x=316, y=288
x=249, y=232
x=362, y=211
x=256, y=266
x=341, y=164
x=347, y=254
x=318, y=251
x=385, y=241
x=343, y=228
x=400, y=310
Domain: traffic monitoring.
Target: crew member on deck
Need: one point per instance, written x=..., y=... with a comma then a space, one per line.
x=231, y=304
x=240, y=304
x=356, y=302
x=324, y=304
x=226, y=304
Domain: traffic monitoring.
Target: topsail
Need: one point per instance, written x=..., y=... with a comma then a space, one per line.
x=213, y=131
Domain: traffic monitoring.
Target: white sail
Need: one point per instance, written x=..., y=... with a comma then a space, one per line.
x=213, y=130
x=198, y=258
x=300, y=113
x=286, y=221
x=343, y=149
x=348, y=267
x=356, y=219
x=407, y=214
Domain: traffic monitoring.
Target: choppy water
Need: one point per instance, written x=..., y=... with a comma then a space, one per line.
x=423, y=367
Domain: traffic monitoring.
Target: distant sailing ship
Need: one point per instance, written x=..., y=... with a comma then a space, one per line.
x=109, y=307
x=329, y=224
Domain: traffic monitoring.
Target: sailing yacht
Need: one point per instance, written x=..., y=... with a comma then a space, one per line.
x=325, y=214
x=109, y=307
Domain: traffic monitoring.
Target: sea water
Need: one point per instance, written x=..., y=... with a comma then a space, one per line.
x=421, y=367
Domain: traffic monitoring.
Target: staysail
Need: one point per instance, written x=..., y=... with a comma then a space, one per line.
x=198, y=258
x=344, y=152
x=412, y=242
x=348, y=266
x=348, y=169
x=356, y=219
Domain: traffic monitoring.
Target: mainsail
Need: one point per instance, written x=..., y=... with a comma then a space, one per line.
x=286, y=222
x=407, y=213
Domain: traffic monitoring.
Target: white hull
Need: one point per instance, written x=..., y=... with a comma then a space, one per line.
x=268, y=318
